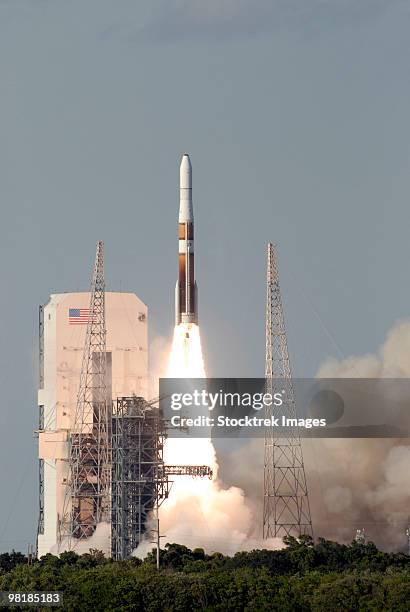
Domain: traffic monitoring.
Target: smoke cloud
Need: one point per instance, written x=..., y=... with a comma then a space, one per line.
x=353, y=483
x=100, y=540
x=159, y=353
x=211, y=517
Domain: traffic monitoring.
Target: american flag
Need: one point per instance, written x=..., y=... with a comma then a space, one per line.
x=78, y=316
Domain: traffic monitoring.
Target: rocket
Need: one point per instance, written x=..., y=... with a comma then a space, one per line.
x=186, y=291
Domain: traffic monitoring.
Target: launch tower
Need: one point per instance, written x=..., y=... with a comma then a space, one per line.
x=87, y=499
x=286, y=508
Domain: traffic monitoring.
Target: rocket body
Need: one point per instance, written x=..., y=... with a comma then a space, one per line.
x=186, y=293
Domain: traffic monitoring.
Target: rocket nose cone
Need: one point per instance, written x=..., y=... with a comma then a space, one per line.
x=185, y=162
x=186, y=212
x=185, y=172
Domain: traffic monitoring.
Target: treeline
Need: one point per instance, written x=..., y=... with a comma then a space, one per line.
x=303, y=576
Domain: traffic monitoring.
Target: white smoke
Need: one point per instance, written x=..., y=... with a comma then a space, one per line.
x=212, y=517
x=222, y=523
x=159, y=353
x=100, y=540
x=375, y=473
x=353, y=483
x=392, y=360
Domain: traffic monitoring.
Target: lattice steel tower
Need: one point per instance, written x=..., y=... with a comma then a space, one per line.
x=286, y=508
x=87, y=498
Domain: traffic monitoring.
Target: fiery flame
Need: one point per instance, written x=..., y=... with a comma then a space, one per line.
x=186, y=361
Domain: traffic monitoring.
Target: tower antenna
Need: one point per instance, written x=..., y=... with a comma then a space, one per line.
x=87, y=496
x=286, y=508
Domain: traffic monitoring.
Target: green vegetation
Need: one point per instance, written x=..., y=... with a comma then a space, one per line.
x=303, y=576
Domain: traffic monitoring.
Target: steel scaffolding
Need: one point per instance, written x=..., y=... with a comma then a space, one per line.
x=140, y=480
x=136, y=456
x=87, y=498
x=286, y=508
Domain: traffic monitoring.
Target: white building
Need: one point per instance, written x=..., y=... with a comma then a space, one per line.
x=61, y=349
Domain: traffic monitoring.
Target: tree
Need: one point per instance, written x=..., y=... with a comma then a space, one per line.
x=8, y=561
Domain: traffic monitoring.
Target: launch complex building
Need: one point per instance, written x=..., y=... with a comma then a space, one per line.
x=62, y=333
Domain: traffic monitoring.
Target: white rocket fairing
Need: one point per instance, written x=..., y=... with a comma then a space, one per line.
x=186, y=293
